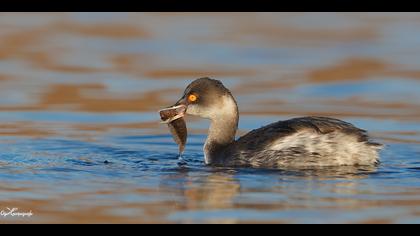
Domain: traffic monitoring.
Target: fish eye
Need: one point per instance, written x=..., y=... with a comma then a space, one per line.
x=192, y=98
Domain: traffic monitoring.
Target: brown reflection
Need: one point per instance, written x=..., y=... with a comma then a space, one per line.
x=19, y=45
x=136, y=64
x=78, y=207
x=353, y=69
x=344, y=108
x=375, y=221
x=24, y=129
x=48, y=211
x=250, y=28
x=94, y=98
x=108, y=126
x=76, y=97
x=48, y=62
x=36, y=51
x=108, y=30
x=15, y=45
x=219, y=191
x=248, y=87
x=52, y=210
x=389, y=139
x=4, y=77
x=211, y=192
x=350, y=69
x=339, y=114
x=197, y=73
x=363, y=103
x=414, y=74
x=407, y=133
x=336, y=172
x=216, y=192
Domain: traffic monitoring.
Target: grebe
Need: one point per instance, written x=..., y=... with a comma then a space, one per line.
x=298, y=142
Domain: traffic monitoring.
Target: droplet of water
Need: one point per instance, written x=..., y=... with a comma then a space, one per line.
x=181, y=161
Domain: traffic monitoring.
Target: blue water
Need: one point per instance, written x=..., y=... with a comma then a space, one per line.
x=80, y=137
x=121, y=165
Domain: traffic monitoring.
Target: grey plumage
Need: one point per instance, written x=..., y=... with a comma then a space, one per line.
x=299, y=142
x=318, y=141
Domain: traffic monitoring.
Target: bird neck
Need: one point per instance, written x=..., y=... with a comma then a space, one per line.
x=222, y=131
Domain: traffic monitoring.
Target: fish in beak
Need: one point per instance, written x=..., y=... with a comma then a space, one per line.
x=174, y=117
x=172, y=113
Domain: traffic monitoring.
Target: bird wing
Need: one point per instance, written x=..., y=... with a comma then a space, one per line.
x=260, y=138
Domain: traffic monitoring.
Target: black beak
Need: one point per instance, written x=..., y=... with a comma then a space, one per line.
x=181, y=102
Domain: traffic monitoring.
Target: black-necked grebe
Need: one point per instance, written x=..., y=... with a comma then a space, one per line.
x=299, y=142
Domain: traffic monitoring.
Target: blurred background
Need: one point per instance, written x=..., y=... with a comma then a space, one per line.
x=78, y=90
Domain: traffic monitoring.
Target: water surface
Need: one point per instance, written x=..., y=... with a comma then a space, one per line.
x=80, y=137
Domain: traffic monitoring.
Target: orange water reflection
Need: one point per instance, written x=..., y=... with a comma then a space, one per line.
x=278, y=65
